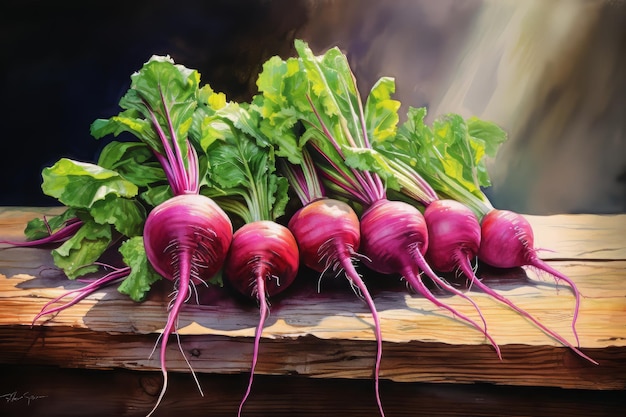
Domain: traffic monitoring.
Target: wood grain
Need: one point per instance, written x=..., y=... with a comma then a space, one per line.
x=123, y=393
x=328, y=334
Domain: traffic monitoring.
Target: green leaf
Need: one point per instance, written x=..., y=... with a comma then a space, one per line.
x=487, y=137
x=491, y=135
x=335, y=120
x=134, y=161
x=80, y=184
x=332, y=92
x=159, y=109
x=202, y=130
x=458, y=153
x=77, y=255
x=280, y=106
x=367, y=159
x=450, y=155
x=129, y=121
x=138, y=282
x=105, y=194
x=128, y=216
x=167, y=92
x=39, y=228
x=381, y=111
x=242, y=168
x=156, y=195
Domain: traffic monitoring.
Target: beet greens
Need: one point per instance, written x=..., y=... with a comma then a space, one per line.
x=263, y=258
x=187, y=235
x=451, y=155
x=338, y=131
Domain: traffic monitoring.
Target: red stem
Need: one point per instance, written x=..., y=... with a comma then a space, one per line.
x=538, y=263
x=263, y=313
x=419, y=286
x=182, y=286
x=355, y=278
x=82, y=292
x=466, y=267
x=61, y=235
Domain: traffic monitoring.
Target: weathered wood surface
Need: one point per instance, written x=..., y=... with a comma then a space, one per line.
x=329, y=334
x=53, y=392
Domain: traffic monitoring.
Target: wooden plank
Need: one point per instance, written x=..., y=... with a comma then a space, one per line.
x=329, y=334
x=50, y=391
x=580, y=236
x=522, y=365
x=337, y=313
x=562, y=236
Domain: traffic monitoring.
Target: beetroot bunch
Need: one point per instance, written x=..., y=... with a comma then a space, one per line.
x=203, y=189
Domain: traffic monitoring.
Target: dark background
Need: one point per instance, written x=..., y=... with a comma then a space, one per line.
x=64, y=64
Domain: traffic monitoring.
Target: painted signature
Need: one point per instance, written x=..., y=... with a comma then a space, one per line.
x=14, y=396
